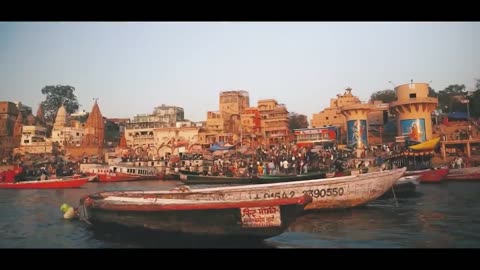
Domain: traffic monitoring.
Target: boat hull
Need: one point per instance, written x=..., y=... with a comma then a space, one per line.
x=464, y=174
x=254, y=219
x=212, y=180
x=46, y=184
x=330, y=193
x=404, y=187
x=430, y=176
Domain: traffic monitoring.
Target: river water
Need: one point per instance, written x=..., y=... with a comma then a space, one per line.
x=443, y=215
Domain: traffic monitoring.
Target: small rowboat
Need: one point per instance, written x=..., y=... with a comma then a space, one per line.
x=47, y=184
x=259, y=219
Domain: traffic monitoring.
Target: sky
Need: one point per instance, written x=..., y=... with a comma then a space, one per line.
x=131, y=67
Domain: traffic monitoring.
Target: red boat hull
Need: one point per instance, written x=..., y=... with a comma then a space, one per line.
x=46, y=184
x=119, y=177
x=464, y=177
x=430, y=176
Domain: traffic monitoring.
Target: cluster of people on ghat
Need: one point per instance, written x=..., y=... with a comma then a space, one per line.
x=24, y=172
x=282, y=160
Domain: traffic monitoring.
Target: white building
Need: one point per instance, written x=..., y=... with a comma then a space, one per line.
x=63, y=133
x=34, y=141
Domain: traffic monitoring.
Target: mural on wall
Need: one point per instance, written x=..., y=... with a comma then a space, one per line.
x=414, y=129
x=357, y=133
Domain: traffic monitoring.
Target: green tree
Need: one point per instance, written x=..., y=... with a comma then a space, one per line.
x=56, y=95
x=432, y=92
x=474, y=98
x=385, y=96
x=296, y=120
x=449, y=98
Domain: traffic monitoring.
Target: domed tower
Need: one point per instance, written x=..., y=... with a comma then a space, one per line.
x=40, y=116
x=123, y=141
x=17, y=127
x=94, y=127
x=61, y=118
x=413, y=109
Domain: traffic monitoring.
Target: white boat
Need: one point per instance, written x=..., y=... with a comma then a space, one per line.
x=338, y=192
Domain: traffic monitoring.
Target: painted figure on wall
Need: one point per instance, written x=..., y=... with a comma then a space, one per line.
x=357, y=133
x=414, y=129
x=414, y=132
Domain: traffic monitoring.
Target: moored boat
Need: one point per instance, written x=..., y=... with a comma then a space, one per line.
x=258, y=219
x=47, y=184
x=430, y=175
x=212, y=180
x=339, y=192
x=190, y=179
x=464, y=174
x=405, y=186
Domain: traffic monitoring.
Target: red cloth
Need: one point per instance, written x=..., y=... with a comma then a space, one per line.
x=8, y=176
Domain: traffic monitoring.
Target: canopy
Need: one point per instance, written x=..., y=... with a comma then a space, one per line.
x=458, y=115
x=217, y=147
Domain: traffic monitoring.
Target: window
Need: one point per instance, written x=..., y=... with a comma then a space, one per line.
x=78, y=133
x=26, y=141
x=413, y=95
x=326, y=117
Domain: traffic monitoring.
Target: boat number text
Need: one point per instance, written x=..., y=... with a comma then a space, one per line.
x=315, y=193
x=324, y=192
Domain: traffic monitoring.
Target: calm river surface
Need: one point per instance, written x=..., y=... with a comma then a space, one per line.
x=440, y=216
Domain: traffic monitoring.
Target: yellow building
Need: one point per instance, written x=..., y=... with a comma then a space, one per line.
x=274, y=121
x=332, y=116
x=8, y=116
x=236, y=121
x=251, y=126
x=413, y=109
x=224, y=125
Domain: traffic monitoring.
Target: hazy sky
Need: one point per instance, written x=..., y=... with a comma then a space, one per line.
x=134, y=66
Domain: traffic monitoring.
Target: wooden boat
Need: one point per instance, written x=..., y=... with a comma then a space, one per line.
x=427, y=145
x=288, y=178
x=430, y=175
x=405, y=186
x=339, y=192
x=258, y=219
x=47, y=184
x=471, y=173
x=212, y=180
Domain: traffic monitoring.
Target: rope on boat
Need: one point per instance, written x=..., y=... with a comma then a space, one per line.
x=82, y=215
x=394, y=196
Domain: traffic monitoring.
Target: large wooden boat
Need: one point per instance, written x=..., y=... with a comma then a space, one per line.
x=212, y=180
x=464, y=174
x=71, y=182
x=258, y=219
x=339, y=192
